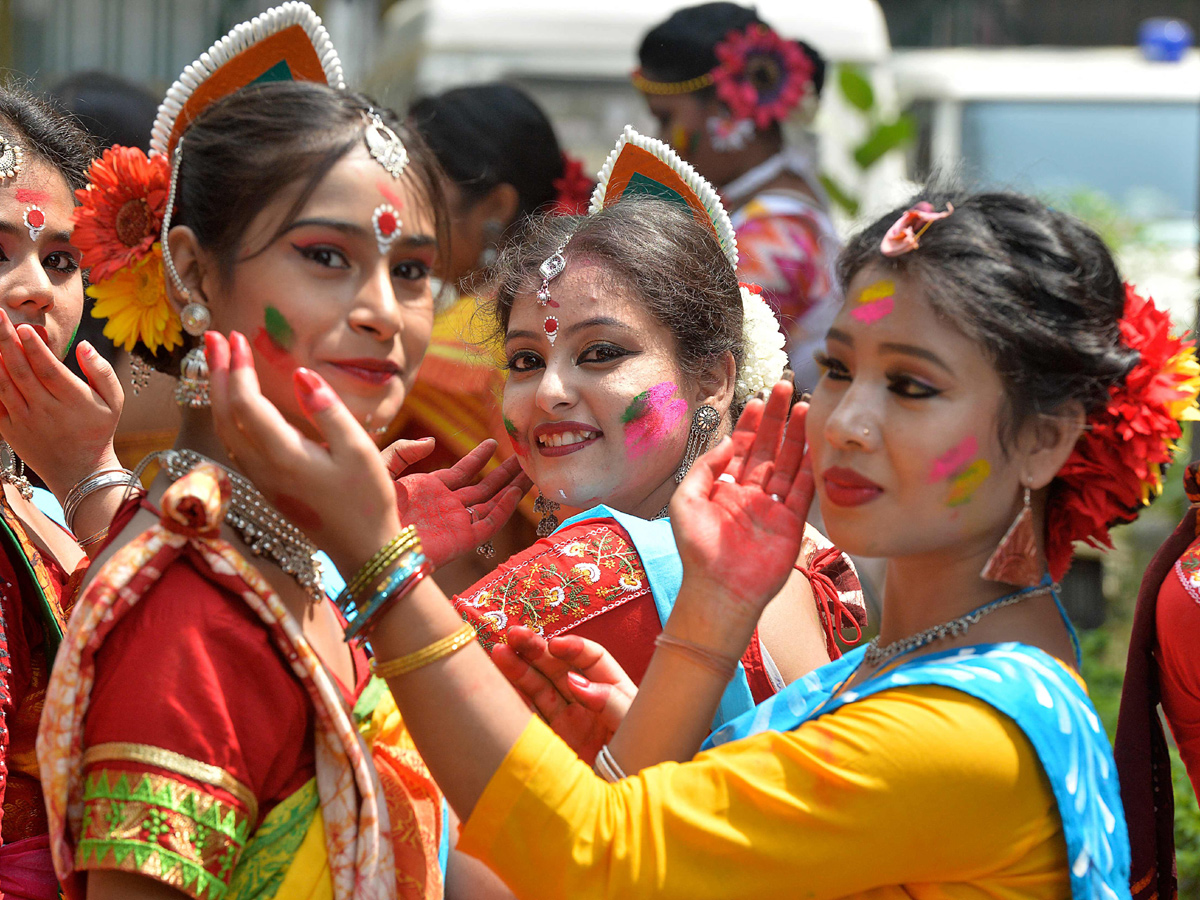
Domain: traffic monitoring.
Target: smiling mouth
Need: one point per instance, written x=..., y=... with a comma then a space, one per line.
x=370, y=371
x=566, y=438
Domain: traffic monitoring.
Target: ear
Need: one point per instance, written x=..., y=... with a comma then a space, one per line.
x=717, y=382
x=500, y=204
x=196, y=267
x=1047, y=441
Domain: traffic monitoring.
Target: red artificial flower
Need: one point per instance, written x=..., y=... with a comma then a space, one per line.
x=574, y=188
x=120, y=212
x=1117, y=465
x=760, y=75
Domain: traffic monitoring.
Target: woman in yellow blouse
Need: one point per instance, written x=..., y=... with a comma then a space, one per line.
x=970, y=425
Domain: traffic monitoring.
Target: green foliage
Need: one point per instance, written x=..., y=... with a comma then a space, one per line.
x=883, y=135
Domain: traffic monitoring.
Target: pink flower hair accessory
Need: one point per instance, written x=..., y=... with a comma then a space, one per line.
x=905, y=234
x=761, y=76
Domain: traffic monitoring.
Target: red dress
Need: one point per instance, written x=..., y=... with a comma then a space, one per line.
x=1178, y=621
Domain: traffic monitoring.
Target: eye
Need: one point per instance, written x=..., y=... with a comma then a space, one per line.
x=523, y=361
x=61, y=262
x=324, y=256
x=601, y=353
x=833, y=369
x=911, y=388
x=411, y=270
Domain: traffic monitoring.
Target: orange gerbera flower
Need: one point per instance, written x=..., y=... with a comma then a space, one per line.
x=121, y=211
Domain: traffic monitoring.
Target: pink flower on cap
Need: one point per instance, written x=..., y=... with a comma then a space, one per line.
x=905, y=234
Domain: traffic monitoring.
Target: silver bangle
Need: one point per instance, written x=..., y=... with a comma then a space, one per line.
x=94, y=482
x=606, y=766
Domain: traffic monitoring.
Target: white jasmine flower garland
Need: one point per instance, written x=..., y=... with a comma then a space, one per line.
x=765, y=359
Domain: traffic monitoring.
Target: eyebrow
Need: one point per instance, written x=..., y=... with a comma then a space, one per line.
x=835, y=334
x=57, y=237
x=608, y=321
x=355, y=230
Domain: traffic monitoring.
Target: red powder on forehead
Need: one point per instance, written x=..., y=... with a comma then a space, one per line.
x=28, y=195
x=390, y=194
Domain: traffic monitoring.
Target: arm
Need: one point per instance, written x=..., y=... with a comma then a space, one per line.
x=61, y=426
x=462, y=714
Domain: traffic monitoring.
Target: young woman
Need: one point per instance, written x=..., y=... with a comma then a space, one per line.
x=974, y=420
x=231, y=743
x=722, y=83
x=637, y=353
x=503, y=163
x=63, y=428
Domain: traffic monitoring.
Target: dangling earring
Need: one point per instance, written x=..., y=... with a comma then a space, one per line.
x=139, y=372
x=492, y=229
x=704, y=423
x=1017, y=558
x=192, y=390
x=548, y=521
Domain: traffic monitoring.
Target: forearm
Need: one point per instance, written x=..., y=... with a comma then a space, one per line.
x=94, y=511
x=462, y=714
x=673, y=711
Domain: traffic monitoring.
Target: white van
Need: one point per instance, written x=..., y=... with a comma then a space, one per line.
x=1101, y=131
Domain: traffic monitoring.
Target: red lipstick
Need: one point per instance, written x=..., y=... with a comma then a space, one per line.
x=372, y=371
x=562, y=438
x=845, y=487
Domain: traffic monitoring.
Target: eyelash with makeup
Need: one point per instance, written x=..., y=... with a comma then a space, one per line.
x=905, y=386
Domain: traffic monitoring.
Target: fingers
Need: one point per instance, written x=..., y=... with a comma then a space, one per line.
x=743, y=437
x=494, y=514
x=609, y=703
x=467, y=469
x=495, y=481
x=47, y=370
x=760, y=460
x=15, y=374
x=101, y=376
x=526, y=678
x=791, y=454
x=700, y=478
x=400, y=455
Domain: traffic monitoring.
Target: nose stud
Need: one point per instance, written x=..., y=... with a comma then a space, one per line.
x=866, y=432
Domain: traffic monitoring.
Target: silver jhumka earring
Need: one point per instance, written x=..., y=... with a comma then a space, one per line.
x=704, y=422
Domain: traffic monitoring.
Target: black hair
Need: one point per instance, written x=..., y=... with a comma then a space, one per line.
x=657, y=249
x=111, y=109
x=1037, y=289
x=682, y=47
x=39, y=128
x=244, y=149
x=490, y=134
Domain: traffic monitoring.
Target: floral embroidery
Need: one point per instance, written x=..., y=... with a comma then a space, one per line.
x=575, y=578
x=167, y=829
x=1187, y=569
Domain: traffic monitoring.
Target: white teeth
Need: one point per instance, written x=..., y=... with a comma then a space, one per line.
x=566, y=438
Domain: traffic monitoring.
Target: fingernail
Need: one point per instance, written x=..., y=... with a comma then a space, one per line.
x=314, y=394
x=763, y=394
x=210, y=345
x=86, y=349
x=788, y=376
x=578, y=680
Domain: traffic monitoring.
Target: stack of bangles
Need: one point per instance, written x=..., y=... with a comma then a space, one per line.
x=398, y=567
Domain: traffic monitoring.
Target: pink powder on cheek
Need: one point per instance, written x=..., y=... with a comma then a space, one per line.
x=955, y=460
x=651, y=417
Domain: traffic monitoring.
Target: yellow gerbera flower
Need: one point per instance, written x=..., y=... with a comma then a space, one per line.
x=134, y=300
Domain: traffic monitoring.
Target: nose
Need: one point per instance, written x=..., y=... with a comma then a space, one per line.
x=554, y=391
x=376, y=311
x=855, y=423
x=28, y=286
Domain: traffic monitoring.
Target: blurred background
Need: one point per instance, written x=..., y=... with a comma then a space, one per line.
x=1093, y=105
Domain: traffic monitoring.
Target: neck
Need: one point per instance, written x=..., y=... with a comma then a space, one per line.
x=197, y=433
x=756, y=154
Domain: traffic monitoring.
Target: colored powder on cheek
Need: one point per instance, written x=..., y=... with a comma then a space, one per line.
x=682, y=140
x=967, y=482
x=651, y=416
x=278, y=328
x=519, y=446
x=270, y=351
x=874, y=302
x=954, y=461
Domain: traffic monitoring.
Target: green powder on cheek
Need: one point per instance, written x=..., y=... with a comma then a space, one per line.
x=278, y=328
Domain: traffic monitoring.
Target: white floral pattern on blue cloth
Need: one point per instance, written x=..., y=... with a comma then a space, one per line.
x=1036, y=692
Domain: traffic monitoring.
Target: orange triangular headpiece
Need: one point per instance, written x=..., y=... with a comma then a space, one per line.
x=647, y=166
x=285, y=43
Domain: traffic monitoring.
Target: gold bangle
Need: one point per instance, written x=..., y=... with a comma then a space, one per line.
x=374, y=566
x=95, y=538
x=418, y=659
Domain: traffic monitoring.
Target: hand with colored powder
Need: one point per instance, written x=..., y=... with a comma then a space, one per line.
x=452, y=512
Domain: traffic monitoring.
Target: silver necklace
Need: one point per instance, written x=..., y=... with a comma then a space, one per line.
x=876, y=654
x=267, y=533
x=12, y=471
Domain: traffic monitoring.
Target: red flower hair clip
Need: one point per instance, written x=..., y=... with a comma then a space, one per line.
x=1117, y=466
x=905, y=234
x=760, y=75
x=574, y=188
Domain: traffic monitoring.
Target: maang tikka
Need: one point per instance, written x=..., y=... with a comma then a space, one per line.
x=550, y=269
x=192, y=391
